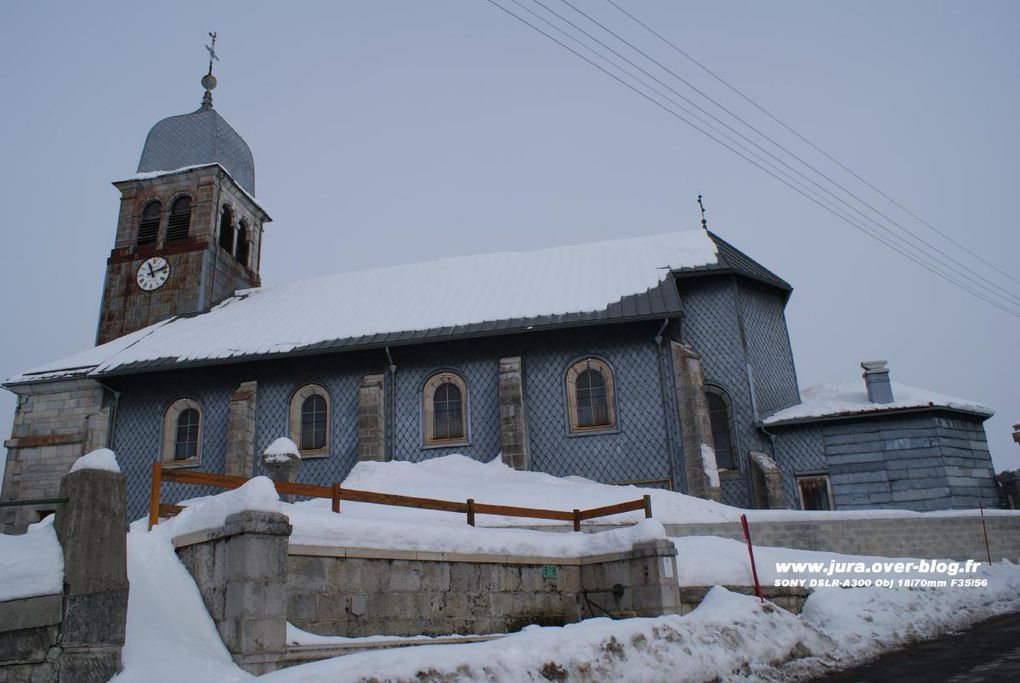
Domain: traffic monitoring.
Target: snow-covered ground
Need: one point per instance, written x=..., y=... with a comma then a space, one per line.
x=170, y=636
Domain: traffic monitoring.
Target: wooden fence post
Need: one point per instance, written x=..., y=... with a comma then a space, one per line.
x=336, y=497
x=157, y=480
x=577, y=520
x=648, y=507
x=471, y=511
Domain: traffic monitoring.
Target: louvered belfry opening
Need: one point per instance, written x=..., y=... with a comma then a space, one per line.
x=227, y=229
x=148, y=229
x=179, y=223
x=242, y=244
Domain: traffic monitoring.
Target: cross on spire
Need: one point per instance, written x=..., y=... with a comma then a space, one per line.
x=212, y=52
x=704, y=223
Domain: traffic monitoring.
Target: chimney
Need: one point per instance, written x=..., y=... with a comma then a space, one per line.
x=876, y=379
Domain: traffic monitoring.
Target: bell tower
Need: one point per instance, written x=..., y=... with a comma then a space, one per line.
x=189, y=233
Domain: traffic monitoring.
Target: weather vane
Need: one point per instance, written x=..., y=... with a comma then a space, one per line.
x=704, y=223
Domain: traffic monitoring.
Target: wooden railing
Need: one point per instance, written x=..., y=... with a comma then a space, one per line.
x=336, y=493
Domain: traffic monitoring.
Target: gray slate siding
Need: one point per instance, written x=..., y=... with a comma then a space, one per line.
x=800, y=451
x=636, y=450
x=712, y=325
x=768, y=347
x=921, y=462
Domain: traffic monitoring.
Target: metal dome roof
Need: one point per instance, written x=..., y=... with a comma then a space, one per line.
x=201, y=137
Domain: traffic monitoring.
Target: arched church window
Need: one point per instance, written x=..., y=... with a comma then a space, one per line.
x=591, y=403
x=309, y=420
x=148, y=228
x=227, y=229
x=179, y=223
x=242, y=244
x=445, y=410
x=182, y=433
x=721, y=418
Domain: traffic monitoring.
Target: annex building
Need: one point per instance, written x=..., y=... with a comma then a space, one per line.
x=671, y=368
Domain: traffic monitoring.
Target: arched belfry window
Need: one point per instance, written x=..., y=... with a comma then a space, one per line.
x=182, y=433
x=309, y=420
x=721, y=417
x=179, y=223
x=242, y=244
x=445, y=410
x=591, y=401
x=148, y=228
x=227, y=229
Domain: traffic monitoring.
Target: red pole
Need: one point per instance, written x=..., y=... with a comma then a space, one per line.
x=988, y=552
x=750, y=553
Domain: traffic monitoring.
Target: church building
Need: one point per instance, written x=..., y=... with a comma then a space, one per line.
x=662, y=361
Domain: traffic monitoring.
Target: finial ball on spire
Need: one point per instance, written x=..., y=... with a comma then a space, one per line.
x=209, y=82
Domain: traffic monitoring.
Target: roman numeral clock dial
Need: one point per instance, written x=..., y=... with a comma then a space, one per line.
x=153, y=273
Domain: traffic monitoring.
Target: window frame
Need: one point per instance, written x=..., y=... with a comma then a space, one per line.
x=429, y=388
x=152, y=201
x=170, y=418
x=570, y=384
x=170, y=214
x=817, y=477
x=297, y=401
x=241, y=236
x=717, y=390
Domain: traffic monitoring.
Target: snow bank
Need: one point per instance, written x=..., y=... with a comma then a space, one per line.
x=849, y=399
x=100, y=459
x=31, y=564
x=170, y=636
x=212, y=511
x=730, y=636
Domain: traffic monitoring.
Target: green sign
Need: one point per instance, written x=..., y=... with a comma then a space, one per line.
x=548, y=571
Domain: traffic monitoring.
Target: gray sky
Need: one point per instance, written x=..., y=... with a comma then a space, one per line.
x=392, y=132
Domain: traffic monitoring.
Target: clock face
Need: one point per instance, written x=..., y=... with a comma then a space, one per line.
x=153, y=273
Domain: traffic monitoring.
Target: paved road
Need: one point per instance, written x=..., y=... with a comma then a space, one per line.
x=987, y=653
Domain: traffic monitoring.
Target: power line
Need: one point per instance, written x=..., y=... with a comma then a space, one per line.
x=809, y=142
x=988, y=284
x=931, y=268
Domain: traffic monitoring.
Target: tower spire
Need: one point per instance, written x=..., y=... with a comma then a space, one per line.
x=209, y=81
x=704, y=223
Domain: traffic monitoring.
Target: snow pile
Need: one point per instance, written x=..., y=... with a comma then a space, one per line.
x=455, y=477
x=728, y=637
x=100, y=459
x=708, y=464
x=849, y=399
x=170, y=636
x=31, y=564
x=404, y=299
x=281, y=450
x=211, y=512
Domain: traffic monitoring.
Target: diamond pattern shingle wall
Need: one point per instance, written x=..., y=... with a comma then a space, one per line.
x=768, y=345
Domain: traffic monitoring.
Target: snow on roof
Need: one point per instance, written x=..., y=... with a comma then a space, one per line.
x=439, y=295
x=149, y=175
x=838, y=400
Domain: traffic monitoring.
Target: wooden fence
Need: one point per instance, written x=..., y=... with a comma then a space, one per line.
x=336, y=493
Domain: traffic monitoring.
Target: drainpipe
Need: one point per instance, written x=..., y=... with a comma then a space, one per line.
x=391, y=409
x=664, y=398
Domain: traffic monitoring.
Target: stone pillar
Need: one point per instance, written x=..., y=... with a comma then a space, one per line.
x=695, y=426
x=254, y=622
x=767, y=482
x=372, y=418
x=513, y=424
x=640, y=583
x=241, y=430
x=92, y=528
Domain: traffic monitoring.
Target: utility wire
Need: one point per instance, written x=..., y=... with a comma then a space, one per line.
x=984, y=283
x=794, y=187
x=809, y=142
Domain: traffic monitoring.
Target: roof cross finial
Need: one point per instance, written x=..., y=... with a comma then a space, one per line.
x=704, y=223
x=209, y=81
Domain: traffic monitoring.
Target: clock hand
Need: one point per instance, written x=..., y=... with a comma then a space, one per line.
x=151, y=274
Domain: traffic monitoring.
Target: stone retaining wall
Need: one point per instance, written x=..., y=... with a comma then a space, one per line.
x=957, y=537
